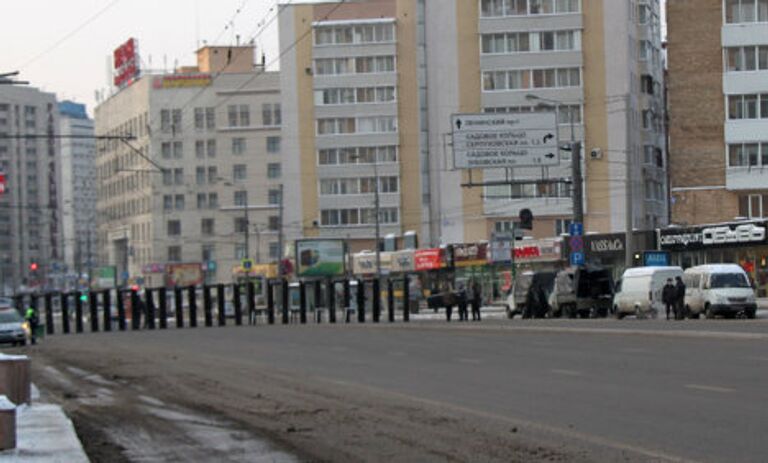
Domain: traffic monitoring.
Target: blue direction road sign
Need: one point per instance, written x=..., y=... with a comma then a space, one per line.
x=576, y=229
x=577, y=258
x=656, y=258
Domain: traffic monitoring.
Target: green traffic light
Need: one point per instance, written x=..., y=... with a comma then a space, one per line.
x=84, y=297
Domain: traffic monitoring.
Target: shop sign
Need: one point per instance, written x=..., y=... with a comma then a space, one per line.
x=656, y=258
x=403, y=261
x=364, y=263
x=182, y=81
x=539, y=250
x=257, y=270
x=605, y=244
x=428, y=259
x=153, y=268
x=470, y=255
x=713, y=236
x=106, y=277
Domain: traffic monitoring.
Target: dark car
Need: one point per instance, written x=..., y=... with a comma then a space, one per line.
x=13, y=328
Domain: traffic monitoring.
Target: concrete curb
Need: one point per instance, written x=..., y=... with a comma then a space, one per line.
x=44, y=435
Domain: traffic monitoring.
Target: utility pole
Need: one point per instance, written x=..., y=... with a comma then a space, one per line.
x=247, y=228
x=90, y=258
x=280, y=233
x=377, y=207
x=629, y=225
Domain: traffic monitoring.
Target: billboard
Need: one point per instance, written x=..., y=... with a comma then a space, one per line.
x=490, y=140
x=105, y=277
x=470, y=255
x=126, y=62
x=403, y=261
x=184, y=274
x=364, y=263
x=429, y=259
x=182, y=81
x=320, y=258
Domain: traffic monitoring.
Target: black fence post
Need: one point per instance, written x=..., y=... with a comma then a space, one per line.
x=149, y=295
x=391, y=300
x=32, y=303
x=93, y=305
x=207, y=309
x=376, y=294
x=303, y=302
x=135, y=310
x=286, y=301
x=65, y=313
x=178, y=299
x=361, y=300
x=106, y=303
x=121, y=310
x=406, y=299
x=222, y=303
x=251, y=294
x=192, y=307
x=331, y=298
x=48, y=313
x=237, y=303
x=78, y=312
x=163, y=295
x=270, y=302
x=347, y=294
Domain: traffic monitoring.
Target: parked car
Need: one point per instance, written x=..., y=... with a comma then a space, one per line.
x=13, y=328
x=582, y=292
x=7, y=303
x=638, y=292
x=530, y=295
x=720, y=289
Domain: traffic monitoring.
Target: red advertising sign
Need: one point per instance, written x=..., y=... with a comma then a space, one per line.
x=428, y=259
x=184, y=274
x=2, y=183
x=527, y=252
x=126, y=63
x=469, y=255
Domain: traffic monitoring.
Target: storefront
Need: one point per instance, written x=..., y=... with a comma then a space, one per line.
x=471, y=263
x=743, y=243
x=609, y=249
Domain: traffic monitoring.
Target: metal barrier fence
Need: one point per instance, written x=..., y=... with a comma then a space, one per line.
x=115, y=310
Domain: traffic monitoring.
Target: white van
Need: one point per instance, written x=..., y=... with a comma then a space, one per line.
x=639, y=291
x=721, y=289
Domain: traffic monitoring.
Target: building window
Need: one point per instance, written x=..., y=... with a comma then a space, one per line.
x=748, y=106
x=274, y=251
x=238, y=146
x=521, y=79
x=178, y=176
x=495, y=8
x=241, y=225
x=167, y=202
x=239, y=172
x=213, y=174
x=241, y=198
x=241, y=251
x=178, y=150
x=179, y=202
x=748, y=154
x=746, y=11
x=200, y=149
x=562, y=226
x=165, y=150
x=199, y=118
x=165, y=120
x=202, y=201
x=358, y=217
x=200, y=175
x=210, y=118
x=273, y=197
x=753, y=206
x=367, y=33
x=273, y=145
x=358, y=65
x=207, y=227
x=274, y=223
x=271, y=114
x=174, y=253
x=208, y=253
x=213, y=200
x=174, y=228
x=274, y=170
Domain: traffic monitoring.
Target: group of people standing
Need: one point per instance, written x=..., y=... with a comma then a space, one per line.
x=673, y=297
x=464, y=299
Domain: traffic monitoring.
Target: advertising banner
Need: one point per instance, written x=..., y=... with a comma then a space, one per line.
x=106, y=277
x=153, y=268
x=365, y=263
x=184, y=274
x=403, y=261
x=320, y=258
x=429, y=259
x=182, y=81
x=470, y=255
x=126, y=63
x=711, y=236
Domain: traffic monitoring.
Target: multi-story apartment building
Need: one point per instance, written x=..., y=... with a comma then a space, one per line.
x=31, y=248
x=387, y=75
x=78, y=190
x=718, y=109
x=201, y=176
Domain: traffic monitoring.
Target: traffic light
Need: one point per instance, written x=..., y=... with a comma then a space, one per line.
x=33, y=267
x=84, y=297
x=526, y=219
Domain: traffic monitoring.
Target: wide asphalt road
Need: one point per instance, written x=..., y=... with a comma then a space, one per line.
x=693, y=390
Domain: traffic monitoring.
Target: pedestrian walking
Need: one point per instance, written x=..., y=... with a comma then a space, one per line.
x=680, y=299
x=669, y=296
x=477, y=300
x=33, y=320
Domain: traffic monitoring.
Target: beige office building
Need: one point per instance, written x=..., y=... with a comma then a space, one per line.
x=369, y=88
x=200, y=182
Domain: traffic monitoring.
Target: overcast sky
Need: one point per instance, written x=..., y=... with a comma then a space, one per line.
x=64, y=46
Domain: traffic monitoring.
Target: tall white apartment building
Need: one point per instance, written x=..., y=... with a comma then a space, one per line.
x=78, y=191
x=31, y=247
x=387, y=75
x=200, y=181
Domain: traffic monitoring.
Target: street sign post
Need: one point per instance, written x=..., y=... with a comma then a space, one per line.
x=505, y=140
x=576, y=242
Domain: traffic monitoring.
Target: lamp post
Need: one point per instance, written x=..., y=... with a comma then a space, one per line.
x=575, y=149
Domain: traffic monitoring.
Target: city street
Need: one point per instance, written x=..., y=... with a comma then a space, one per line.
x=495, y=391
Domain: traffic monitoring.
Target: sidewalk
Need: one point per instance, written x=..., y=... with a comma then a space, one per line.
x=762, y=303
x=44, y=434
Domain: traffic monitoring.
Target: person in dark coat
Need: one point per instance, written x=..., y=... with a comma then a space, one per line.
x=477, y=300
x=680, y=298
x=462, y=302
x=669, y=296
